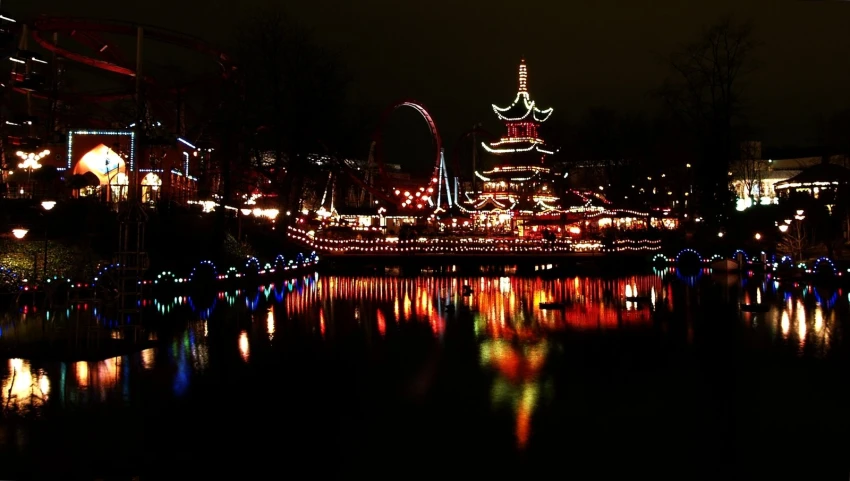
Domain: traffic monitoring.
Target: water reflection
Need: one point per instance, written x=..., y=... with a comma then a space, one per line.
x=244, y=346
x=516, y=386
x=799, y=317
x=24, y=387
x=148, y=361
x=511, y=336
x=270, y=323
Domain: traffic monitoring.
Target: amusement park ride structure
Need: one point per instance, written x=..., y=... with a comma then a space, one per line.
x=156, y=99
x=54, y=36
x=148, y=95
x=377, y=181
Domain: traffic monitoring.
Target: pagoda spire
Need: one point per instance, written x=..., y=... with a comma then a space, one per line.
x=523, y=76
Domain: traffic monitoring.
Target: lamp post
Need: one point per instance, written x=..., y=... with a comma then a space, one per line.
x=245, y=213
x=46, y=205
x=31, y=162
x=795, y=238
x=19, y=234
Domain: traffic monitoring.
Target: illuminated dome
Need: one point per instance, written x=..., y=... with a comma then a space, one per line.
x=102, y=162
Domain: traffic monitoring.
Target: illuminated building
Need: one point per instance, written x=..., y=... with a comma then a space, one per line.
x=100, y=162
x=766, y=181
x=823, y=182
x=522, y=194
x=519, y=184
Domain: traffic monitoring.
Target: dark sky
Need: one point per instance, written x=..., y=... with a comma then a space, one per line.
x=459, y=56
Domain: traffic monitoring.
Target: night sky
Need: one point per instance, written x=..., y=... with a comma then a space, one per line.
x=458, y=57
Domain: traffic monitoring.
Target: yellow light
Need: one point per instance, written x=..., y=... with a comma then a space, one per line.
x=30, y=159
x=244, y=346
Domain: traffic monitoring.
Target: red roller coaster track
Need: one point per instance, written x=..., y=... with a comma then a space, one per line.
x=75, y=26
x=89, y=33
x=377, y=137
x=382, y=187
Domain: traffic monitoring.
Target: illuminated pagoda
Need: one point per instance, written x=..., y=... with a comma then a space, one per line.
x=519, y=184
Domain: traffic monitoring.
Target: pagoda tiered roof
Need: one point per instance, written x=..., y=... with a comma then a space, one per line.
x=522, y=118
x=511, y=146
x=516, y=174
x=519, y=182
x=523, y=108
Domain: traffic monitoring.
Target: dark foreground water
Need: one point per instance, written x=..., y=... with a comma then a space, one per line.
x=374, y=376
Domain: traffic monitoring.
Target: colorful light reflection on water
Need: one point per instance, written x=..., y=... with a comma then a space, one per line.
x=513, y=335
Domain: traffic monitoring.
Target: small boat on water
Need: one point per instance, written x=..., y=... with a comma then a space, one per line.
x=754, y=307
x=552, y=306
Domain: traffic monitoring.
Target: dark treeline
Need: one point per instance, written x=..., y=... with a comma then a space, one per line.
x=689, y=145
x=289, y=101
x=636, y=159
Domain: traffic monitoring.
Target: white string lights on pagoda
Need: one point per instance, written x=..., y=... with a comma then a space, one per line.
x=523, y=77
x=522, y=96
x=31, y=159
x=535, y=145
x=530, y=110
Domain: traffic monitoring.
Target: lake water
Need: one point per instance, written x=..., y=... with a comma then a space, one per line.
x=347, y=376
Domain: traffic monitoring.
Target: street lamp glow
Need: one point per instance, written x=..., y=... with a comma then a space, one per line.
x=783, y=228
x=48, y=204
x=31, y=159
x=19, y=233
x=788, y=221
x=720, y=234
x=758, y=236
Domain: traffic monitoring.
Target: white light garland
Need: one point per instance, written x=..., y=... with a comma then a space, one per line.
x=130, y=133
x=534, y=146
x=531, y=109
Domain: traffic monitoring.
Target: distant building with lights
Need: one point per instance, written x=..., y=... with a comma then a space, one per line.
x=100, y=163
x=768, y=181
x=824, y=182
x=520, y=184
x=522, y=193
